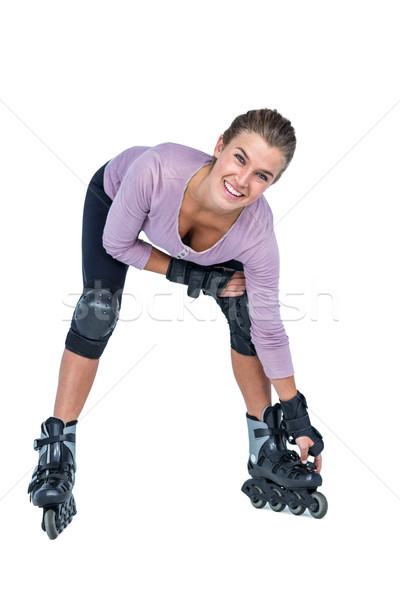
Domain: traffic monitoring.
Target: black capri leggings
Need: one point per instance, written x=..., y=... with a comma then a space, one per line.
x=101, y=271
x=97, y=265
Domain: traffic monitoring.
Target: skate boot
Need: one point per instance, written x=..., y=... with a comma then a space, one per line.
x=277, y=474
x=54, y=477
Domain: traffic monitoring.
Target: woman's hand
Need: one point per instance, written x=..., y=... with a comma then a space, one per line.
x=214, y=280
x=235, y=286
x=305, y=443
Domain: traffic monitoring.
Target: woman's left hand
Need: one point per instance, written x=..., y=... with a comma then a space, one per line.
x=235, y=286
x=304, y=443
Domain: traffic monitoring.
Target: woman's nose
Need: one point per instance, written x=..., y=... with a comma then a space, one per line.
x=242, y=178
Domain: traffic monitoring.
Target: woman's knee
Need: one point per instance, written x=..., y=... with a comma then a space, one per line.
x=236, y=311
x=94, y=320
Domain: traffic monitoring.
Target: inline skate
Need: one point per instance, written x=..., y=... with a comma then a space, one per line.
x=54, y=477
x=277, y=474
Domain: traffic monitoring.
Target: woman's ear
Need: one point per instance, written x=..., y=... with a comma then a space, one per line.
x=219, y=146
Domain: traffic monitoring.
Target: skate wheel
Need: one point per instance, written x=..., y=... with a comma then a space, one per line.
x=49, y=522
x=322, y=509
x=275, y=505
x=297, y=510
x=258, y=503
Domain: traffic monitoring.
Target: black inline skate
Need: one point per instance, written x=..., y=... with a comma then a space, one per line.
x=277, y=474
x=54, y=477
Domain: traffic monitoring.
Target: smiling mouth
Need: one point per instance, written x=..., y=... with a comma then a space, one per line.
x=232, y=190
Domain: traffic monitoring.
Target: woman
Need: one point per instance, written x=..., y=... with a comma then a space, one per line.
x=210, y=215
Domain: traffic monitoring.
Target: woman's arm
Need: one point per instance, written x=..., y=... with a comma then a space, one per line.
x=285, y=388
x=128, y=212
x=158, y=262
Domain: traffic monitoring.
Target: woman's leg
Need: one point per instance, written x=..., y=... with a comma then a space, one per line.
x=76, y=377
x=252, y=381
x=95, y=316
x=247, y=368
x=89, y=332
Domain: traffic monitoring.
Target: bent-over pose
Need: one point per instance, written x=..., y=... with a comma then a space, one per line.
x=210, y=216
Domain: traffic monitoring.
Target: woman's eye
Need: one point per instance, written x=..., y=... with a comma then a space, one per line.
x=240, y=158
x=263, y=177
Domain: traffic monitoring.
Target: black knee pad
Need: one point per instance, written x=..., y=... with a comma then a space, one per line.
x=95, y=317
x=236, y=311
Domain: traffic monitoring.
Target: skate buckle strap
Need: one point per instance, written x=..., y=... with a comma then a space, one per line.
x=259, y=433
x=65, y=437
x=49, y=471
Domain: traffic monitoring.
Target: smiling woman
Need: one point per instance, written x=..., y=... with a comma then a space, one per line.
x=245, y=168
x=210, y=216
x=275, y=130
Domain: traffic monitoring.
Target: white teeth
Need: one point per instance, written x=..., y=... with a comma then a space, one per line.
x=231, y=189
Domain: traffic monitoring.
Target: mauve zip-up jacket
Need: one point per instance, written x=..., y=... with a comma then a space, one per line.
x=147, y=185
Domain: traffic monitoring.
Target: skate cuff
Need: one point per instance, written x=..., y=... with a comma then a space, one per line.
x=66, y=437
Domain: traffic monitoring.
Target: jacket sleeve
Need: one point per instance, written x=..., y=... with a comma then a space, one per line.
x=128, y=212
x=268, y=335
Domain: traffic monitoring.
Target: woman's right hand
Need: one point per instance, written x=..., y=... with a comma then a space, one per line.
x=235, y=287
x=213, y=280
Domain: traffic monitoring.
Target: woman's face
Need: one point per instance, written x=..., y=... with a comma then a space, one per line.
x=244, y=169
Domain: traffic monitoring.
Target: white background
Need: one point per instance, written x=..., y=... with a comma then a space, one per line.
x=162, y=441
